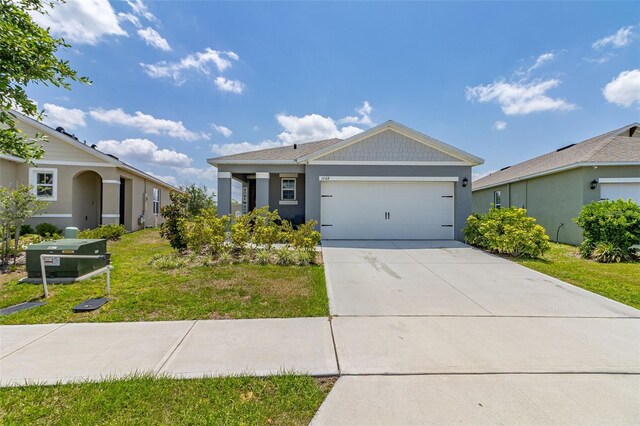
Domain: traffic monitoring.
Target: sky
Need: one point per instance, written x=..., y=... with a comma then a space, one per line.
x=177, y=82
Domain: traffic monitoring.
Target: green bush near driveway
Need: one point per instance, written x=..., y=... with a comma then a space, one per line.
x=111, y=232
x=278, y=400
x=507, y=231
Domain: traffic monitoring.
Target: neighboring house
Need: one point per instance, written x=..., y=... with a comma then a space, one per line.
x=553, y=187
x=389, y=182
x=84, y=187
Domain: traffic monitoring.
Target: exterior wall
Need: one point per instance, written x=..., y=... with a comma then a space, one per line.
x=8, y=173
x=462, y=195
x=388, y=146
x=288, y=212
x=555, y=199
x=58, y=150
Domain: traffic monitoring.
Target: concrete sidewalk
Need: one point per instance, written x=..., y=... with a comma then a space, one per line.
x=51, y=353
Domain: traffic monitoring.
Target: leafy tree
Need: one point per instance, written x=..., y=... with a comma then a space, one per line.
x=199, y=199
x=27, y=56
x=16, y=206
x=175, y=215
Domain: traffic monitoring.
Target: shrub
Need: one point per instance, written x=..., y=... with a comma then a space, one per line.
x=267, y=229
x=225, y=258
x=26, y=230
x=616, y=223
x=205, y=233
x=284, y=256
x=507, y=231
x=240, y=233
x=47, y=229
x=305, y=237
x=304, y=257
x=174, y=215
x=606, y=252
x=263, y=257
x=111, y=232
x=167, y=261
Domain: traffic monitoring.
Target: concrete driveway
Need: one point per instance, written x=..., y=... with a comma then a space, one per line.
x=439, y=332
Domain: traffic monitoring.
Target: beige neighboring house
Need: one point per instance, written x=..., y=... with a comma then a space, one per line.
x=84, y=187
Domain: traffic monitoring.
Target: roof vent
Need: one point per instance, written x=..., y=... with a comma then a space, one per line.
x=113, y=156
x=60, y=129
x=94, y=146
x=505, y=168
x=565, y=147
x=295, y=146
x=632, y=131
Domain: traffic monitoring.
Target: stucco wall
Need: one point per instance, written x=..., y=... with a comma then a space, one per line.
x=8, y=173
x=462, y=195
x=288, y=212
x=555, y=199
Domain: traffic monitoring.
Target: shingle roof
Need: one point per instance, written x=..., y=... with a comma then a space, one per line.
x=285, y=153
x=614, y=146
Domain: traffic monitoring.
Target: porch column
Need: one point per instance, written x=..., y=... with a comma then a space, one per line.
x=245, y=197
x=224, y=193
x=110, y=201
x=262, y=189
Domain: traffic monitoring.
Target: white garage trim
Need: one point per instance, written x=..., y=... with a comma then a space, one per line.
x=389, y=179
x=619, y=180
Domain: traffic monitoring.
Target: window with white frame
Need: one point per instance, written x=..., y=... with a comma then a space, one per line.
x=497, y=199
x=156, y=201
x=44, y=183
x=288, y=192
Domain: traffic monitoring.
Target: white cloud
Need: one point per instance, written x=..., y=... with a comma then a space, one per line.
x=621, y=38
x=224, y=131
x=81, y=21
x=129, y=17
x=153, y=38
x=144, y=151
x=226, y=85
x=171, y=180
x=365, y=115
x=140, y=9
x=234, y=148
x=69, y=118
x=520, y=98
x=500, y=125
x=206, y=174
x=147, y=123
x=542, y=59
x=312, y=127
x=195, y=62
x=479, y=175
x=624, y=89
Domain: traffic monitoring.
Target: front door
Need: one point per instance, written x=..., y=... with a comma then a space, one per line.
x=122, y=200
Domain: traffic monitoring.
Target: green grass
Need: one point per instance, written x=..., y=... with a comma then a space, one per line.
x=617, y=281
x=141, y=293
x=290, y=400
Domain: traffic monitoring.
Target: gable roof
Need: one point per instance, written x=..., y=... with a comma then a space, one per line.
x=310, y=151
x=80, y=145
x=616, y=147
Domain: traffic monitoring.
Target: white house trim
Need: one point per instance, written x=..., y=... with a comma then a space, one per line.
x=389, y=178
x=619, y=180
x=288, y=202
x=262, y=175
x=224, y=175
x=114, y=182
x=11, y=158
x=389, y=163
x=33, y=173
x=53, y=215
x=559, y=169
x=110, y=215
x=250, y=162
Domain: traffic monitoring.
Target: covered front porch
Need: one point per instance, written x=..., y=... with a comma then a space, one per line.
x=282, y=190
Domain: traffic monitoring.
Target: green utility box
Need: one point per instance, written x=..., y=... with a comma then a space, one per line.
x=64, y=269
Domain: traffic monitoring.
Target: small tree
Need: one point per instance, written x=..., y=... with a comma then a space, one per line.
x=175, y=215
x=27, y=57
x=16, y=206
x=199, y=199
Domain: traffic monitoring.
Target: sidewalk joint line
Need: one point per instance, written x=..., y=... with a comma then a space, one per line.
x=33, y=341
x=173, y=351
x=335, y=347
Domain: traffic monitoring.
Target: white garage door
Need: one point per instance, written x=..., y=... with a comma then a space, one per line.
x=367, y=210
x=624, y=190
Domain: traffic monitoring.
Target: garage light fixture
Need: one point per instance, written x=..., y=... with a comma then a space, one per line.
x=465, y=182
x=594, y=184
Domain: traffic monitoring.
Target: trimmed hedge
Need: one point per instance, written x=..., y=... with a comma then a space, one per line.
x=111, y=232
x=507, y=231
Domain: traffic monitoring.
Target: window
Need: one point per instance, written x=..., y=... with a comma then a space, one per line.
x=44, y=183
x=497, y=198
x=288, y=189
x=156, y=201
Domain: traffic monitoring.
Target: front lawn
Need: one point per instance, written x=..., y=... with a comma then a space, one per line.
x=290, y=400
x=139, y=292
x=617, y=281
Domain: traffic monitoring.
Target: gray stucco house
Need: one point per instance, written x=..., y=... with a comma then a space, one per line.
x=389, y=182
x=553, y=187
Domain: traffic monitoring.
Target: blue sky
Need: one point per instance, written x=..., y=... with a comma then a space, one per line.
x=177, y=82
